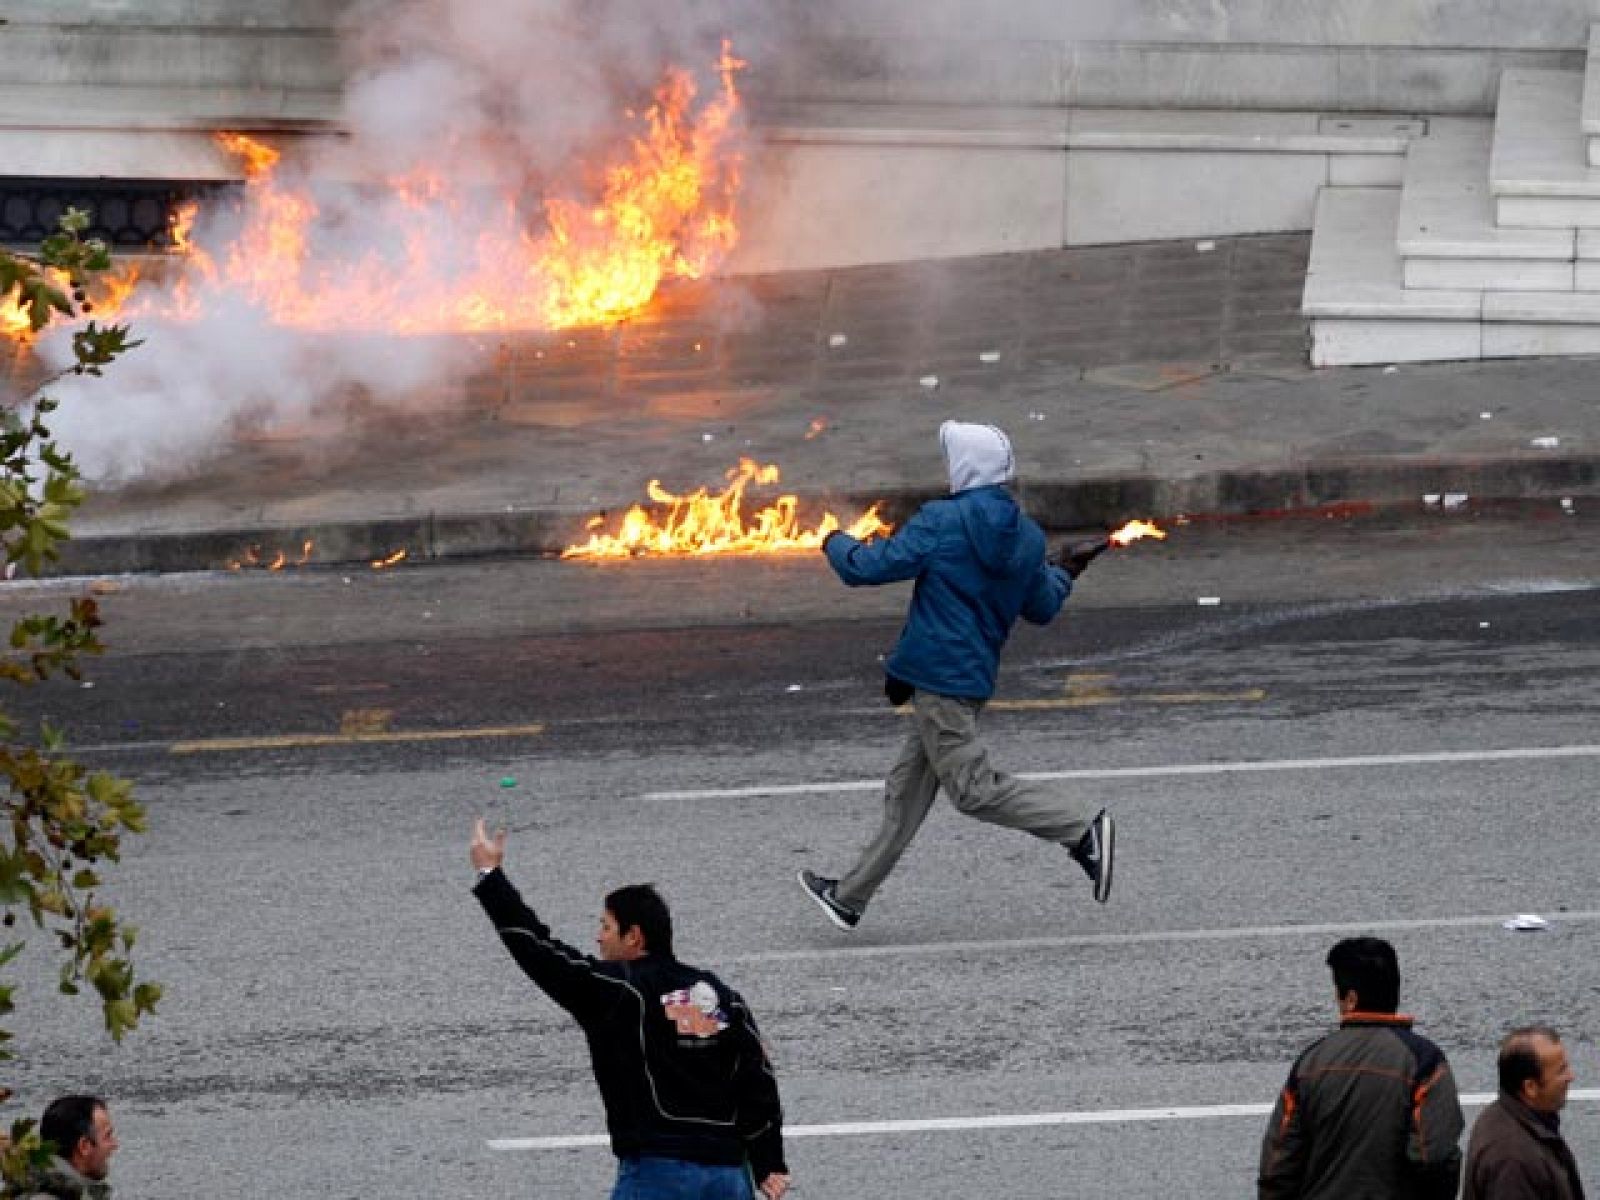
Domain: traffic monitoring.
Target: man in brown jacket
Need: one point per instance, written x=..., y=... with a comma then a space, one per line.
x=1516, y=1151
x=1369, y=1111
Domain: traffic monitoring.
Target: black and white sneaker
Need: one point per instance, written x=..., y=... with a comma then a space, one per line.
x=1095, y=854
x=824, y=892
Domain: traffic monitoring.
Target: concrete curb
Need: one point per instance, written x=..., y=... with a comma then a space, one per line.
x=1058, y=505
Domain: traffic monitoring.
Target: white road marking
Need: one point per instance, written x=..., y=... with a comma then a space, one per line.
x=1513, y=754
x=1068, y=941
x=1104, y=1116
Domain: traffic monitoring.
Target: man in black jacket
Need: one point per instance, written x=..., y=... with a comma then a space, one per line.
x=1370, y=1110
x=690, y=1097
x=1516, y=1151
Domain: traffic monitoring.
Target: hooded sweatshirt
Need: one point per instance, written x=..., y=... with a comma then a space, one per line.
x=979, y=564
x=975, y=455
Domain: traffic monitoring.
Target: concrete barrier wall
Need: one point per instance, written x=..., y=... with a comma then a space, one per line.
x=1425, y=56
x=1511, y=24
x=230, y=14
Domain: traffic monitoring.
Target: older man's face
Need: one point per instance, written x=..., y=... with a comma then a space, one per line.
x=1549, y=1095
x=94, y=1151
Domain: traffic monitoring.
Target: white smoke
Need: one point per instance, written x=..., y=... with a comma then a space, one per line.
x=510, y=95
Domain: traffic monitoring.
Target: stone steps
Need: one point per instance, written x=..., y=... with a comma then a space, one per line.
x=1539, y=169
x=1490, y=248
x=1591, y=97
x=1363, y=313
x=1447, y=233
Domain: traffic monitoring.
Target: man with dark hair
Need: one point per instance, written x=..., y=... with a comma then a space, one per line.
x=690, y=1097
x=639, y=904
x=980, y=564
x=1369, y=968
x=1370, y=1110
x=1516, y=1151
x=79, y=1131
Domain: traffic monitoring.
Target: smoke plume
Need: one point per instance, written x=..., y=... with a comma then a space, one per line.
x=503, y=100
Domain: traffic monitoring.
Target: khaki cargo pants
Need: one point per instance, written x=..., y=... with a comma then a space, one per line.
x=943, y=750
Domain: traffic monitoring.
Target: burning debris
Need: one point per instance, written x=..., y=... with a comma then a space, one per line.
x=450, y=262
x=700, y=523
x=255, y=559
x=315, y=281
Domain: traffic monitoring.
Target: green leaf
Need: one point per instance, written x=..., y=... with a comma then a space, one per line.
x=15, y=886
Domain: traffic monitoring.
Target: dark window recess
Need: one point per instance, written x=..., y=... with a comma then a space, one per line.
x=128, y=214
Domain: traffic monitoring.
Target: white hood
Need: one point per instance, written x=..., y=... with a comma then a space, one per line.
x=975, y=455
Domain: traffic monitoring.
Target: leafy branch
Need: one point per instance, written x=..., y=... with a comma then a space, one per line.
x=60, y=822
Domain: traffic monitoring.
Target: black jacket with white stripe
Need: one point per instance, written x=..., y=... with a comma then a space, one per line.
x=681, y=1066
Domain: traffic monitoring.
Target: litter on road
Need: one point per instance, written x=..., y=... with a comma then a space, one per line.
x=1527, y=923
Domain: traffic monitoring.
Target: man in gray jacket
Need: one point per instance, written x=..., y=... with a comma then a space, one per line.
x=1369, y=1111
x=80, y=1130
x=1517, y=1151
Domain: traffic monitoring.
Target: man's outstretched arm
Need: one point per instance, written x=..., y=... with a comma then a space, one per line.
x=568, y=977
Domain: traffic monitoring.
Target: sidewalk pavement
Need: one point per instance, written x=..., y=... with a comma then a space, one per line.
x=1149, y=381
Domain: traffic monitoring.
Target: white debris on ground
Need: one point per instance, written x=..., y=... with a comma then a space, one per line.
x=1545, y=443
x=838, y=339
x=929, y=381
x=989, y=356
x=1527, y=923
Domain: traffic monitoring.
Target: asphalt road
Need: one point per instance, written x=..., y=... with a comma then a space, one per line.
x=342, y=1022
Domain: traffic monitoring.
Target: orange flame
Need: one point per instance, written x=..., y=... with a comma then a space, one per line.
x=700, y=524
x=665, y=209
x=254, y=559
x=1134, y=530
x=390, y=560
x=259, y=158
x=14, y=322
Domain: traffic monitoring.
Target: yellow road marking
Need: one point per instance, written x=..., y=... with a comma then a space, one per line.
x=1088, y=689
x=1096, y=699
x=293, y=741
x=366, y=720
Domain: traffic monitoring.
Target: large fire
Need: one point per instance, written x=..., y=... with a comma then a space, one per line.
x=663, y=208
x=700, y=523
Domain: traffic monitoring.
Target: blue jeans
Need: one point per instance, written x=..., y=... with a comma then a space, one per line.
x=646, y=1178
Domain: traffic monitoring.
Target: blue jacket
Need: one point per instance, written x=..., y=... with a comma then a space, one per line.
x=979, y=563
